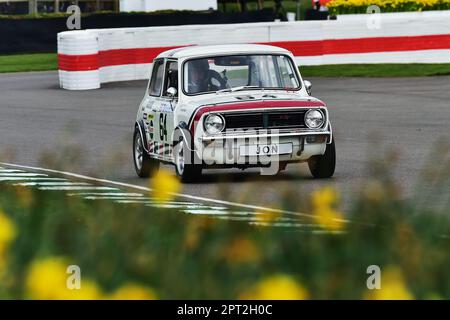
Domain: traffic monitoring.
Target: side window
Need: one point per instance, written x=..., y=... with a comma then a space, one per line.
x=287, y=73
x=157, y=78
x=171, y=76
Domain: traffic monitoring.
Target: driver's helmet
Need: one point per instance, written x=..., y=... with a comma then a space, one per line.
x=198, y=75
x=198, y=67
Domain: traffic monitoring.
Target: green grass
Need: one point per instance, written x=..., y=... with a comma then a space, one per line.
x=28, y=62
x=377, y=70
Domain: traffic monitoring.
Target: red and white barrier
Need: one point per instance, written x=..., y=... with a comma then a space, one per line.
x=90, y=57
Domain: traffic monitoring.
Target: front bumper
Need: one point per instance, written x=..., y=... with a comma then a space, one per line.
x=266, y=135
x=225, y=149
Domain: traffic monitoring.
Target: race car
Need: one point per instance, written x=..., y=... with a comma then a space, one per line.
x=224, y=106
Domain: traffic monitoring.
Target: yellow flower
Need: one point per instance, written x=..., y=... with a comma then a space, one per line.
x=329, y=218
x=268, y=217
x=276, y=287
x=194, y=230
x=241, y=250
x=8, y=231
x=325, y=197
x=132, y=291
x=323, y=202
x=24, y=196
x=89, y=290
x=374, y=192
x=393, y=287
x=164, y=185
x=47, y=279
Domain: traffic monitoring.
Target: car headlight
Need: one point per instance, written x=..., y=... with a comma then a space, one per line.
x=314, y=118
x=214, y=123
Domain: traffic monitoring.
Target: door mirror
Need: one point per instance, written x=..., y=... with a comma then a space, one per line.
x=172, y=92
x=308, y=86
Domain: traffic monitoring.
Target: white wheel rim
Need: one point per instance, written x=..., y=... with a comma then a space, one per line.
x=138, y=151
x=180, y=158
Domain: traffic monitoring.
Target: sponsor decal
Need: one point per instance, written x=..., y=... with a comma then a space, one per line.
x=151, y=130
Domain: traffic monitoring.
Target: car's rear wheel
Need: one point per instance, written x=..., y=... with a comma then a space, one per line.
x=144, y=165
x=186, y=167
x=323, y=166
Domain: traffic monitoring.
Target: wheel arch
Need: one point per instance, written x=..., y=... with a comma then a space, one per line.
x=139, y=125
x=183, y=129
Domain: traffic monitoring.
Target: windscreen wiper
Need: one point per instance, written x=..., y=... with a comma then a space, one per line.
x=234, y=89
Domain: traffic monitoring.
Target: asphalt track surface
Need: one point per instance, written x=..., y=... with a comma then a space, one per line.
x=90, y=132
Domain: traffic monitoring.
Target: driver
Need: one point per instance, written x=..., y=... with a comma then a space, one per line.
x=198, y=76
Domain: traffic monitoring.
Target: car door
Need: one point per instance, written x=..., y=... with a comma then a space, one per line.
x=165, y=116
x=152, y=107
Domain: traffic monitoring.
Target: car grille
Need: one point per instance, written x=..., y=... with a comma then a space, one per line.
x=265, y=120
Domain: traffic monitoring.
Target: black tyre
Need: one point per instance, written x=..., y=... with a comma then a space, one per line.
x=187, y=164
x=144, y=165
x=323, y=166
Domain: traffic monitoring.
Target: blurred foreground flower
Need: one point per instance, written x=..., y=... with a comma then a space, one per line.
x=47, y=280
x=393, y=287
x=24, y=196
x=323, y=202
x=241, y=250
x=267, y=216
x=164, y=185
x=374, y=191
x=277, y=287
x=195, y=229
x=132, y=291
x=8, y=231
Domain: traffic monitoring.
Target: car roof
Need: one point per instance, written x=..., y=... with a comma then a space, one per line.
x=214, y=50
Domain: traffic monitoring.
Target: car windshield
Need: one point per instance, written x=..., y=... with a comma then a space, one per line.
x=239, y=72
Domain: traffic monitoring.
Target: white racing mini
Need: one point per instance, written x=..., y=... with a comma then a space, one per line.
x=229, y=106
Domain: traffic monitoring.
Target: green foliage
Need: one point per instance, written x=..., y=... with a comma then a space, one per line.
x=360, y=6
x=190, y=257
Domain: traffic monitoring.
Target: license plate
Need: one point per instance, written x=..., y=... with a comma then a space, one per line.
x=265, y=149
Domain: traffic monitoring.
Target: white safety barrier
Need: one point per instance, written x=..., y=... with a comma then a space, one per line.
x=90, y=57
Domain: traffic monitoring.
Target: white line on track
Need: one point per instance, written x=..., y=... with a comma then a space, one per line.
x=181, y=206
x=135, y=200
x=30, y=179
x=71, y=188
x=113, y=198
x=21, y=174
x=156, y=200
x=101, y=194
x=146, y=189
x=255, y=219
x=207, y=211
x=286, y=224
x=53, y=184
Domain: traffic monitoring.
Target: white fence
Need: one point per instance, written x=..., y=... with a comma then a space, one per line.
x=90, y=57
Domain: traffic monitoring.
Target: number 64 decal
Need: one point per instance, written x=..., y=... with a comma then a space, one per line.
x=162, y=126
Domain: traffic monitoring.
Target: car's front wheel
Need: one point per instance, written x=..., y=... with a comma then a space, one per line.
x=144, y=165
x=186, y=167
x=323, y=166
